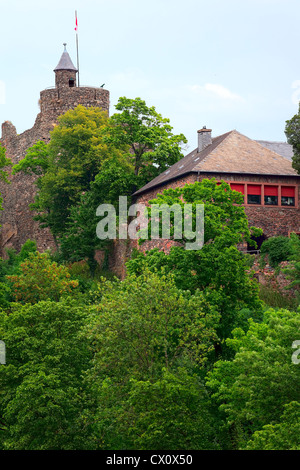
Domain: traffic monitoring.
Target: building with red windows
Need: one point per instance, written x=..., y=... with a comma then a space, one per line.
x=262, y=171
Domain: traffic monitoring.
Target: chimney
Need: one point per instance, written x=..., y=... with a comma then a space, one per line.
x=204, y=138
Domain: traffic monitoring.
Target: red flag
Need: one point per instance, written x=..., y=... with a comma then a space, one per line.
x=76, y=22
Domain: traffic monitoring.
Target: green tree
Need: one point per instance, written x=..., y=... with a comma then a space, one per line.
x=261, y=382
x=149, y=337
x=82, y=143
x=80, y=240
x=292, y=132
x=281, y=436
x=277, y=249
x=68, y=164
x=293, y=273
x=219, y=269
x=36, y=160
x=11, y=266
x=152, y=145
x=171, y=412
x=41, y=387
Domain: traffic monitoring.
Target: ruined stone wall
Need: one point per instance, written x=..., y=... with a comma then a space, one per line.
x=16, y=218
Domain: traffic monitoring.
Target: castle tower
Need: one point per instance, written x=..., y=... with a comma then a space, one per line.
x=65, y=71
x=16, y=219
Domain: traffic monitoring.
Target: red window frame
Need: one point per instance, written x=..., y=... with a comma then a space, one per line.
x=266, y=189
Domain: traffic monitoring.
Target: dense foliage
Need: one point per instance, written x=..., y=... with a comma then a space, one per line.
x=92, y=159
x=277, y=249
x=219, y=269
x=261, y=383
x=41, y=391
x=182, y=353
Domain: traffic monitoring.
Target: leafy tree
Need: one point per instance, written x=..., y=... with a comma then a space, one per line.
x=68, y=164
x=11, y=265
x=82, y=143
x=261, y=382
x=36, y=160
x=5, y=295
x=152, y=145
x=41, y=387
x=292, y=132
x=281, y=436
x=41, y=279
x=218, y=268
x=277, y=249
x=149, y=337
x=3, y=163
x=292, y=272
x=168, y=324
x=80, y=240
x=295, y=247
x=171, y=412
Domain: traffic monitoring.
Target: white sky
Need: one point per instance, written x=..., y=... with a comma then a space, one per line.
x=225, y=64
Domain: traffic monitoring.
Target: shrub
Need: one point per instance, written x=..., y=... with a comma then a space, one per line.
x=41, y=279
x=277, y=249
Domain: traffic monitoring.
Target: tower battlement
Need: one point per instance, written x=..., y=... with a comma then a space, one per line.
x=59, y=100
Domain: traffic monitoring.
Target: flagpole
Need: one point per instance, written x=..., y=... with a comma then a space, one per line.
x=76, y=29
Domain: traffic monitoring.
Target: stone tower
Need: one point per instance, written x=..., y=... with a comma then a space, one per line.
x=16, y=218
x=65, y=72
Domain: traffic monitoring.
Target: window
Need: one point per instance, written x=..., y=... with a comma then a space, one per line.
x=238, y=187
x=287, y=196
x=71, y=82
x=271, y=195
x=254, y=194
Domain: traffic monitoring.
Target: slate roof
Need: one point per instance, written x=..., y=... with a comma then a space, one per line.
x=65, y=63
x=283, y=148
x=229, y=153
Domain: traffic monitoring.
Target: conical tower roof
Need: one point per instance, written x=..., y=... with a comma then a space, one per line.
x=65, y=62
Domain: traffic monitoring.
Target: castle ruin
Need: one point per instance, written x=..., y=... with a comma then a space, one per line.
x=16, y=218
